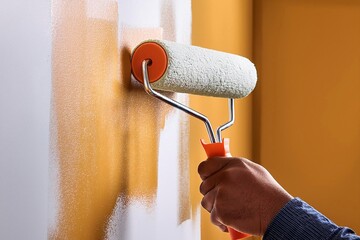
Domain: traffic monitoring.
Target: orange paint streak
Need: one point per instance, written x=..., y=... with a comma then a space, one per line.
x=86, y=103
x=144, y=117
x=107, y=128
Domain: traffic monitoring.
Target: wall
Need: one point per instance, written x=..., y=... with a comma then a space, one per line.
x=226, y=27
x=118, y=166
x=303, y=121
x=102, y=182
x=25, y=78
x=308, y=104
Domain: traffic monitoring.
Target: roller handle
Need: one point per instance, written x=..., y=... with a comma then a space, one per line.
x=222, y=150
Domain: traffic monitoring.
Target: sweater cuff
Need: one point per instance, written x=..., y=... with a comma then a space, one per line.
x=298, y=220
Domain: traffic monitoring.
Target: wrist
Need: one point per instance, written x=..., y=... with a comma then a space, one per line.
x=298, y=220
x=277, y=204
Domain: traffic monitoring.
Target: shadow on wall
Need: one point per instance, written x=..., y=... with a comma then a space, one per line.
x=105, y=130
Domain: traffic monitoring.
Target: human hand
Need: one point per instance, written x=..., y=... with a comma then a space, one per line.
x=240, y=194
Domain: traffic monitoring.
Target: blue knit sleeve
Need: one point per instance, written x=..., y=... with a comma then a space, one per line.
x=298, y=220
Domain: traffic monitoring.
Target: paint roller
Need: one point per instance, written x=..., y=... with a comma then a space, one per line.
x=169, y=66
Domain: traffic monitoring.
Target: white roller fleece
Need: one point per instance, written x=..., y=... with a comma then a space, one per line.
x=201, y=71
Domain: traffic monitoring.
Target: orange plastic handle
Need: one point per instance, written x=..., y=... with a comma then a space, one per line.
x=222, y=150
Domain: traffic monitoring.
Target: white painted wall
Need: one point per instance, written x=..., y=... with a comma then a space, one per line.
x=25, y=92
x=25, y=84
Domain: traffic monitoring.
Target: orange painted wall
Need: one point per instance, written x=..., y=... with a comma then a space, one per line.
x=308, y=103
x=303, y=119
x=224, y=26
x=82, y=126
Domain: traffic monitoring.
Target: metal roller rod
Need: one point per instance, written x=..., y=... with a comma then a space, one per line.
x=174, y=103
x=231, y=119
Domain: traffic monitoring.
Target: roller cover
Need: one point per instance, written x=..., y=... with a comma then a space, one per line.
x=194, y=70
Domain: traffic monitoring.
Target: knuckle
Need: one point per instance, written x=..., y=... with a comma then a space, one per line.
x=201, y=168
x=207, y=168
x=202, y=188
x=205, y=204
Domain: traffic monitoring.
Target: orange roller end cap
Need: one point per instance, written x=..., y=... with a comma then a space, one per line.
x=158, y=57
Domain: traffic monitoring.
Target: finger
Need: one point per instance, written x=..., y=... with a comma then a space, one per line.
x=206, y=186
x=208, y=200
x=211, y=166
x=216, y=222
x=210, y=183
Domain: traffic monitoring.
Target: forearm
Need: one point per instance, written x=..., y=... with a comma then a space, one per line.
x=298, y=220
